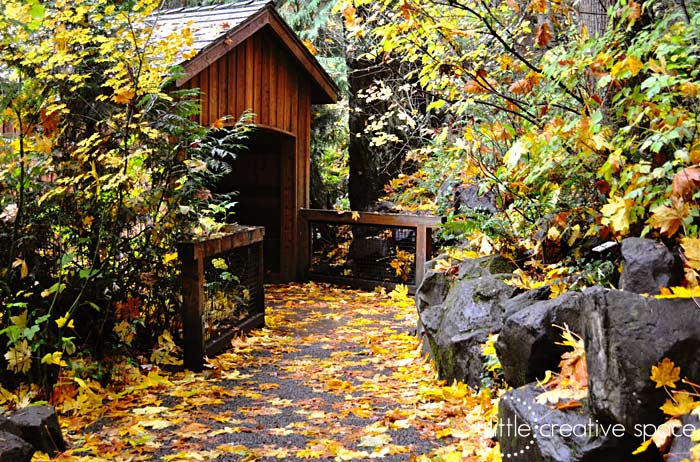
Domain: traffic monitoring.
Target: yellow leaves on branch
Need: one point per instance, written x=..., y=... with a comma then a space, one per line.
x=616, y=214
x=55, y=358
x=628, y=67
x=64, y=321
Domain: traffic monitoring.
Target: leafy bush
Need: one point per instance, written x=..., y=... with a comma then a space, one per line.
x=581, y=138
x=103, y=171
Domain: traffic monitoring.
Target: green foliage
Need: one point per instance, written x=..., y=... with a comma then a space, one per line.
x=329, y=158
x=103, y=172
x=322, y=33
x=582, y=139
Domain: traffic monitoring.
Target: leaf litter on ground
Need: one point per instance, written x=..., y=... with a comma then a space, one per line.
x=337, y=374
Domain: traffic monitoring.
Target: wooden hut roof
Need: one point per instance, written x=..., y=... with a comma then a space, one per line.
x=217, y=29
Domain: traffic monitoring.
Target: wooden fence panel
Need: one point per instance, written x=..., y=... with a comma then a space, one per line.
x=223, y=291
x=365, y=249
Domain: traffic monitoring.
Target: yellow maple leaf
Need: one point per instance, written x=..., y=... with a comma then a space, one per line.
x=628, y=67
x=691, y=249
x=19, y=357
x=616, y=214
x=665, y=374
x=668, y=219
x=681, y=404
x=123, y=95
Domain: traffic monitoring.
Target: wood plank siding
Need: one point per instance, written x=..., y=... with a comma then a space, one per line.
x=248, y=59
x=260, y=76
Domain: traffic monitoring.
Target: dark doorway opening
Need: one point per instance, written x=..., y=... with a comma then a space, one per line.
x=263, y=176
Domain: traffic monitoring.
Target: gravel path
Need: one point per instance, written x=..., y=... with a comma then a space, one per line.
x=337, y=375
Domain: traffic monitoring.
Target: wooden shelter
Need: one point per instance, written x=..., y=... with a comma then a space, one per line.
x=248, y=58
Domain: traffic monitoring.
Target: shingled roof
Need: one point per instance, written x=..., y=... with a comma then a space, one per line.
x=217, y=29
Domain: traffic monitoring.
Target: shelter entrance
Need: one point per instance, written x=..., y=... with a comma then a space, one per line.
x=263, y=176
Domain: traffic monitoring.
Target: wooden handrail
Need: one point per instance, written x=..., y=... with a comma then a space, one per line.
x=369, y=218
x=423, y=224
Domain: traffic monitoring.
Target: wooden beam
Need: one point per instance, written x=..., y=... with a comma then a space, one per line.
x=370, y=218
x=421, y=256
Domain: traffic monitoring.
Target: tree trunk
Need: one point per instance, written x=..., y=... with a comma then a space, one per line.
x=371, y=167
x=593, y=16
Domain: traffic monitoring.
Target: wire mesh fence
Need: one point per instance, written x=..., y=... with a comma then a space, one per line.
x=366, y=249
x=376, y=253
x=231, y=291
x=223, y=291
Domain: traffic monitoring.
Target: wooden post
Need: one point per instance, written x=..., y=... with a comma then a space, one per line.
x=304, y=257
x=428, y=243
x=260, y=302
x=421, y=248
x=193, y=295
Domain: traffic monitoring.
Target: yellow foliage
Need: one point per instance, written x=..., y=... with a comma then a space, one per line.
x=681, y=403
x=628, y=67
x=665, y=374
x=19, y=357
x=616, y=214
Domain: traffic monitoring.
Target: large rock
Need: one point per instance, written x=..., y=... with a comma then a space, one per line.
x=469, y=198
x=455, y=329
x=8, y=426
x=434, y=287
x=39, y=426
x=531, y=432
x=14, y=449
x=682, y=445
x=527, y=299
x=432, y=292
x=625, y=335
x=648, y=265
x=479, y=267
x=528, y=343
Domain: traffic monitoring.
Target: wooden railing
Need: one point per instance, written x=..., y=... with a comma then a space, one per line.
x=223, y=292
x=365, y=249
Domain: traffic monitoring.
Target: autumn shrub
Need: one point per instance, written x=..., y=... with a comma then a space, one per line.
x=103, y=171
x=581, y=137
